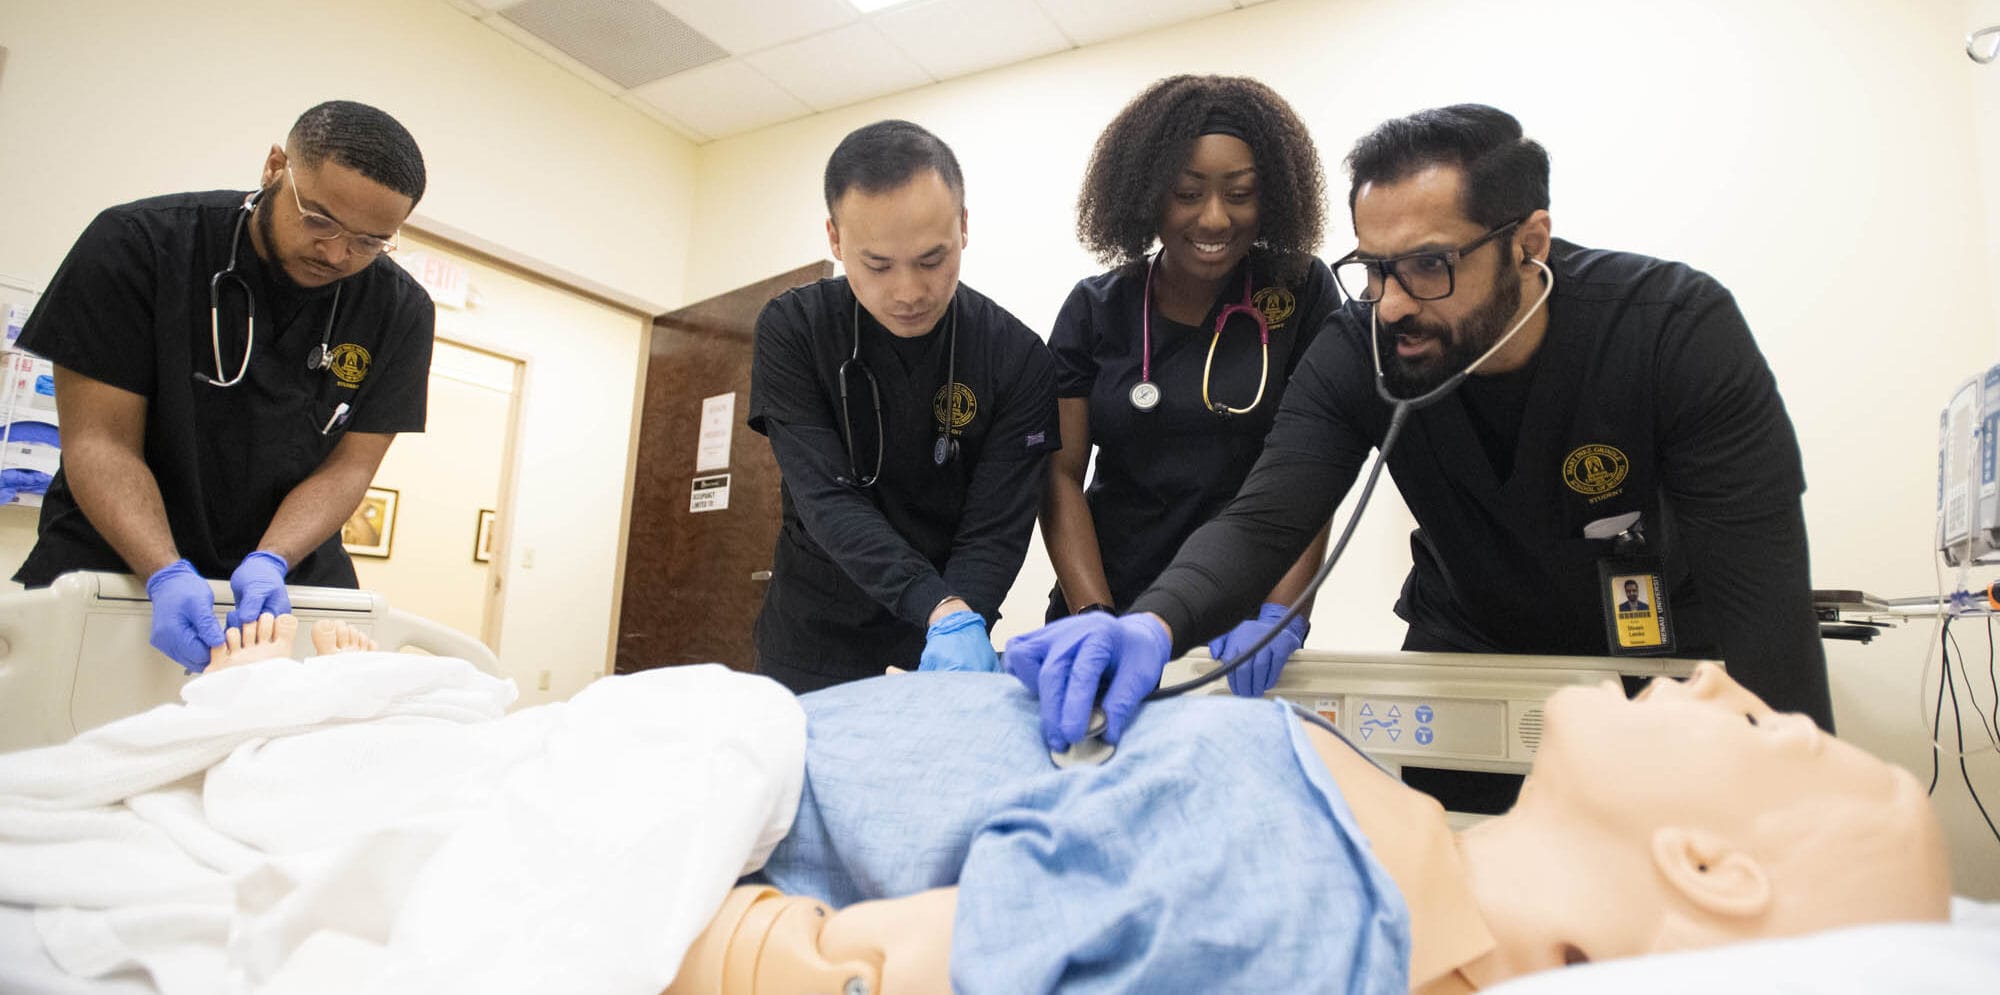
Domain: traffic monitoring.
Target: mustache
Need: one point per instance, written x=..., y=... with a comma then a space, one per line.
x=1412, y=327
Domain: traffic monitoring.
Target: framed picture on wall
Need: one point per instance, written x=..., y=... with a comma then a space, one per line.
x=372, y=527
x=482, y=536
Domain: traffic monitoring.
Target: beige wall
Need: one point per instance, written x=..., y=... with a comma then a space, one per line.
x=104, y=101
x=443, y=477
x=563, y=510
x=1793, y=156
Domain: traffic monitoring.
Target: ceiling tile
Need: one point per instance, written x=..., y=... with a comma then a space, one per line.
x=630, y=41
x=722, y=99
x=749, y=25
x=841, y=67
x=955, y=37
x=527, y=40
x=1087, y=22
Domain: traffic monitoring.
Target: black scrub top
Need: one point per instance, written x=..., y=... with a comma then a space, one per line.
x=1161, y=474
x=1647, y=394
x=129, y=307
x=858, y=570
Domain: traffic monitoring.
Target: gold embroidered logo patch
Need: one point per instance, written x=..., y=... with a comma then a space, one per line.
x=350, y=364
x=1595, y=469
x=963, y=406
x=1277, y=303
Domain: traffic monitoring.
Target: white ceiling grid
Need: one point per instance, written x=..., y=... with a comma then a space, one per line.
x=714, y=68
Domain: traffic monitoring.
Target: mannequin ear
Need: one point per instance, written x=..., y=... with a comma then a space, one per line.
x=1711, y=872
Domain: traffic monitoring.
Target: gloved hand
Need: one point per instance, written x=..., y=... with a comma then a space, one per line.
x=184, y=625
x=259, y=583
x=1064, y=662
x=959, y=641
x=1257, y=676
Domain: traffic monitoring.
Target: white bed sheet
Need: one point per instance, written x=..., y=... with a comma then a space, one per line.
x=375, y=822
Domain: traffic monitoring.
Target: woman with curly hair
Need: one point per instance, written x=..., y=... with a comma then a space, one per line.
x=1174, y=361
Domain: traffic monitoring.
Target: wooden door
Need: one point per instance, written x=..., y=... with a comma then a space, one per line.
x=695, y=580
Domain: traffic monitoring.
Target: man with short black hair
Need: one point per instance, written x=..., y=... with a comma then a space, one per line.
x=911, y=418
x=230, y=370
x=1628, y=427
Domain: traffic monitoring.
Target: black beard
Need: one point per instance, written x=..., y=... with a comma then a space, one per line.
x=1463, y=343
x=273, y=267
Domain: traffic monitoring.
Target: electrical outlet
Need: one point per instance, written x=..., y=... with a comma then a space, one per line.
x=542, y=682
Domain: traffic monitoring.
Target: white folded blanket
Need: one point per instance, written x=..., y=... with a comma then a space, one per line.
x=377, y=822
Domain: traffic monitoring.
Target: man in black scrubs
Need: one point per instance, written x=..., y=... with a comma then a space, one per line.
x=911, y=418
x=1630, y=428
x=230, y=369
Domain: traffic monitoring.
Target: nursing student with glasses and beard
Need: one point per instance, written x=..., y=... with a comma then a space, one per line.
x=230, y=368
x=1205, y=195
x=1631, y=429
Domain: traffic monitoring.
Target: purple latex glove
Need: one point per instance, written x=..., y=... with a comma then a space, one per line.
x=1066, y=661
x=184, y=625
x=1258, y=675
x=259, y=583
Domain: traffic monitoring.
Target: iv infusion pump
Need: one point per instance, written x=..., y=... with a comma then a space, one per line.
x=1968, y=506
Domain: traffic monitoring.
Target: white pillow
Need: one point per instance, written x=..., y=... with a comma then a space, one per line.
x=1934, y=958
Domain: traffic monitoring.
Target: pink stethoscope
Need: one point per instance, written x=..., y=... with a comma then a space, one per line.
x=1146, y=394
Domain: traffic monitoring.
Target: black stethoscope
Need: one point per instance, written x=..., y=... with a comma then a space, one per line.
x=946, y=448
x=320, y=358
x=1092, y=749
x=1146, y=394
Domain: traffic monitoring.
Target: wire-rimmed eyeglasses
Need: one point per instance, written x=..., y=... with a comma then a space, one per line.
x=323, y=228
x=1426, y=276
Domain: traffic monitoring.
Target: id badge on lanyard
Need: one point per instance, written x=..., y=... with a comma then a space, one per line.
x=1631, y=583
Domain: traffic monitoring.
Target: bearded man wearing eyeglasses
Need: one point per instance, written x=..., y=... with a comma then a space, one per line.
x=230, y=368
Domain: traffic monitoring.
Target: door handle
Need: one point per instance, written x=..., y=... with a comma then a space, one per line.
x=760, y=575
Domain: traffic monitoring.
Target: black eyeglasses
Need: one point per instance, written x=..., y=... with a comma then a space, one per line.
x=1425, y=276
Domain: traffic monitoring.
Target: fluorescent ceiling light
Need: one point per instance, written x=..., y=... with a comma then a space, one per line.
x=871, y=6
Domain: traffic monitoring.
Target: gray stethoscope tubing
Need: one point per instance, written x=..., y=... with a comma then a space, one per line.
x=319, y=359
x=1397, y=417
x=945, y=448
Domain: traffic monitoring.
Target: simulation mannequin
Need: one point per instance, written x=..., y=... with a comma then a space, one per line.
x=1689, y=817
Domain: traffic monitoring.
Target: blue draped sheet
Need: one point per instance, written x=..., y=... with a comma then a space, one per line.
x=1212, y=854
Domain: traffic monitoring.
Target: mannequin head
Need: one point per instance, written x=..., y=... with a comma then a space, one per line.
x=1692, y=816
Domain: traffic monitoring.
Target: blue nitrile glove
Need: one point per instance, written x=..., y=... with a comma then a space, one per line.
x=1256, y=677
x=259, y=583
x=959, y=641
x=1064, y=662
x=184, y=625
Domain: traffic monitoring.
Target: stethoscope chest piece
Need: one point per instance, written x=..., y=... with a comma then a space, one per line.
x=1091, y=750
x=319, y=358
x=941, y=451
x=1145, y=395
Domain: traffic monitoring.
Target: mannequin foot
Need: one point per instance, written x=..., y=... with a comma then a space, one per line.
x=268, y=638
x=330, y=637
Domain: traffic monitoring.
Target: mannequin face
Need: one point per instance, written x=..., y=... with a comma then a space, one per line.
x=1703, y=749
x=1695, y=815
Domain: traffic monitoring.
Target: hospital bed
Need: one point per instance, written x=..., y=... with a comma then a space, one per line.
x=74, y=655
x=1462, y=726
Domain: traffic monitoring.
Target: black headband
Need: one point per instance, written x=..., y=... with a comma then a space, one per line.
x=1221, y=122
